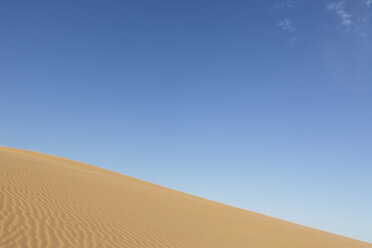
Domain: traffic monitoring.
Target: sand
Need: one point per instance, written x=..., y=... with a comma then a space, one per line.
x=47, y=201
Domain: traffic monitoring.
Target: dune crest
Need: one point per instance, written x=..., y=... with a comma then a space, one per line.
x=47, y=201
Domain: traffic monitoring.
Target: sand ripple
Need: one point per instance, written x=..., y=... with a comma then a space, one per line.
x=46, y=201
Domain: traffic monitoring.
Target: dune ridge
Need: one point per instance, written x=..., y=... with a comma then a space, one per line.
x=48, y=201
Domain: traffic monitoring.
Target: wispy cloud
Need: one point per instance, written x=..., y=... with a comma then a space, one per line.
x=344, y=16
x=368, y=2
x=287, y=25
x=348, y=22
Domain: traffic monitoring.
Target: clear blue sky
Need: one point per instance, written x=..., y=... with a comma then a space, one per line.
x=264, y=105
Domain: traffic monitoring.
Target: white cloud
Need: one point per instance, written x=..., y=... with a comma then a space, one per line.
x=287, y=25
x=339, y=9
x=368, y=2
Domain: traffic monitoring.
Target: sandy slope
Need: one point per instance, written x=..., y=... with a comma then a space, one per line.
x=47, y=201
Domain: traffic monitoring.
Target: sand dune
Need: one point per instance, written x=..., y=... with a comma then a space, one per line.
x=47, y=201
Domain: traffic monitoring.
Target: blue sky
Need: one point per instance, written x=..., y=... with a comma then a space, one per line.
x=264, y=105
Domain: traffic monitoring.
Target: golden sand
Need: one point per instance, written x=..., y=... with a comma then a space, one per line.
x=47, y=201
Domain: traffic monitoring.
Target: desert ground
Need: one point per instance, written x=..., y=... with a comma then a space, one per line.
x=48, y=201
